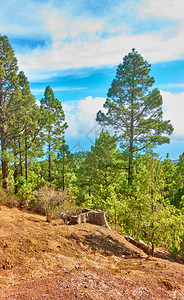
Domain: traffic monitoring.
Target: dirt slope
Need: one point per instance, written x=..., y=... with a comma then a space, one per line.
x=54, y=261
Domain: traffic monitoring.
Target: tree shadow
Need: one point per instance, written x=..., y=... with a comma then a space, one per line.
x=106, y=245
x=163, y=254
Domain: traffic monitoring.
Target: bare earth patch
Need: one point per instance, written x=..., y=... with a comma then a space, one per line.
x=54, y=261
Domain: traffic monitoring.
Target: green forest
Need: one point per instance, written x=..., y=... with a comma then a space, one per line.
x=142, y=196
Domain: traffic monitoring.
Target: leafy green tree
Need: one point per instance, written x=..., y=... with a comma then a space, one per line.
x=133, y=110
x=178, y=184
x=27, y=137
x=79, y=157
x=169, y=169
x=54, y=126
x=100, y=174
x=11, y=108
x=147, y=215
x=106, y=167
x=64, y=165
x=85, y=176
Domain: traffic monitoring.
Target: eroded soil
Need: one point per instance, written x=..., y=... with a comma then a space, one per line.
x=55, y=261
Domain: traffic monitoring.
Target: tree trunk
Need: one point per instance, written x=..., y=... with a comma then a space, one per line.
x=15, y=178
x=152, y=249
x=26, y=158
x=49, y=161
x=21, y=170
x=131, y=145
x=5, y=175
x=48, y=217
x=90, y=216
x=4, y=160
x=115, y=218
x=4, y=163
x=131, y=149
x=63, y=171
x=130, y=168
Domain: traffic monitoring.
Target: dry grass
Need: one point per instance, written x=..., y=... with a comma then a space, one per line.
x=54, y=261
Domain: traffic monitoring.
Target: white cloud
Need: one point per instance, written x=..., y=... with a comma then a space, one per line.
x=110, y=51
x=168, y=9
x=57, y=89
x=173, y=105
x=68, y=107
x=82, y=119
x=171, y=85
x=75, y=41
x=80, y=43
x=38, y=103
x=20, y=18
x=62, y=26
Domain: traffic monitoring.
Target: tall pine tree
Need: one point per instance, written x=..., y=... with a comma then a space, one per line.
x=11, y=110
x=134, y=110
x=31, y=119
x=54, y=125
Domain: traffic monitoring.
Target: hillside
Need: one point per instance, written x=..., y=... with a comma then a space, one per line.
x=55, y=261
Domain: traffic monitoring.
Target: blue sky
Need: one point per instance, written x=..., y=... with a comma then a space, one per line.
x=75, y=47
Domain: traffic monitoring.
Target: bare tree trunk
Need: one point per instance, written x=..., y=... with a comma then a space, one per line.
x=4, y=160
x=152, y=249
x=90, y=216
x=49, y=161
x=26, y=160
x=48, y=217
x=131, y=149
x=152, y=209
x=63, y=171
x=15, y=178
x=115, y=218
x=4, y=163
x=21, y=170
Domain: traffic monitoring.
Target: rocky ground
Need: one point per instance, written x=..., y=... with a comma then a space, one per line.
x=55, y=261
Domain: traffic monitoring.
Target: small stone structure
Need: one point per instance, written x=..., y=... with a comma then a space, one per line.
x=87, y=216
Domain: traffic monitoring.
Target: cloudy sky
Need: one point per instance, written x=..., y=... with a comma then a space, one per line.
x=75, y=46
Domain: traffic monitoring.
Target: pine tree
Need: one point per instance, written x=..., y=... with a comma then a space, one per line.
x=105, y=153
x=85, y=175
x=64, y=164
x=135, y=111
x=100, y=172
x=107, y=173
x=31, y=119
x=11, y=111
x=54, y=126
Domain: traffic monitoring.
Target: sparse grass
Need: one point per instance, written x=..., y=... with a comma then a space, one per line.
x=51, y=203
x=10, y=200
